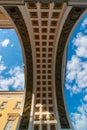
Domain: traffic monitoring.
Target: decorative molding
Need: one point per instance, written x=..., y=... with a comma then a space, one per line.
x=77, y=2
x=73, y=16
x=22, y=2
x=19, y=22
x=46, y=1
x=11, y=2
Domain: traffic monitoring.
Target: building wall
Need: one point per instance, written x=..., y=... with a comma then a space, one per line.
x=10, y=112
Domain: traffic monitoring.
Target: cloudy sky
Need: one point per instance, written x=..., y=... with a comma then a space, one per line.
x=76, y=76
x=11, y=63
x=12, y=73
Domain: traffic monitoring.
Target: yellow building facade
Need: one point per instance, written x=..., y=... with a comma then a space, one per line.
x=10, y=109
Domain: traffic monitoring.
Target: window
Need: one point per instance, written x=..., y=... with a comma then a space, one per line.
x=11, y=118
x=2, y=106
x=18, y=105
x=9, y=125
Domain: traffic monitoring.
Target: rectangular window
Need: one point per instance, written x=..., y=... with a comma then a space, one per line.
x=18, y=105
x=9, y=125
x=2, y=106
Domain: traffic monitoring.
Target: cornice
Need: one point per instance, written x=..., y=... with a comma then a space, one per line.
x=22, y=2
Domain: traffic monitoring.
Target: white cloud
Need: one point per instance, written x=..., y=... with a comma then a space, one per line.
x=0, y=58
x=85, y=98
x=18, y=77
x=73, y=89
x=73, y=67
x=81, y=43
x=84, y=24
x=5, y=43
x=79, y=118
x=76, y=75
x=2, y=68
x=15, y=79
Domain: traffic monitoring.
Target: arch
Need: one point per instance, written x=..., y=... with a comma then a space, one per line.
x=18, y=20
x=73, y=16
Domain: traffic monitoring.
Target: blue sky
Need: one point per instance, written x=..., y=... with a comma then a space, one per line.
x=11, y=62
x=76, y=76
x=12, y=73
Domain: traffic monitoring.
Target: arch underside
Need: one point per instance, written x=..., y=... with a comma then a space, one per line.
x=72, y=18
x=19, y=22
